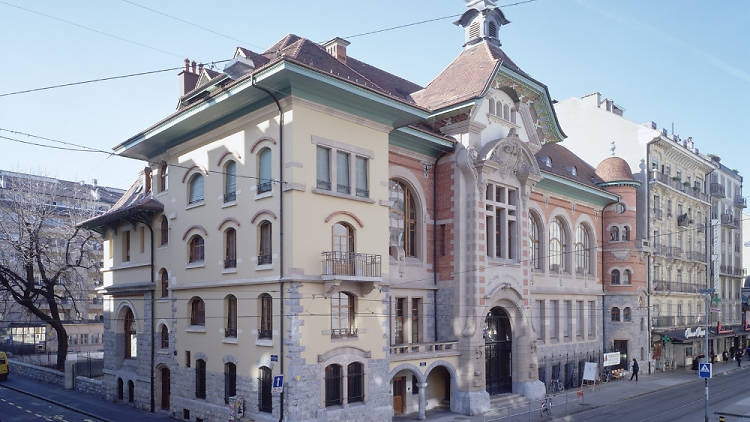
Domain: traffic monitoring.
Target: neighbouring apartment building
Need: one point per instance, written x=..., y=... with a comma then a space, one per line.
x=81, y=310
x=388, y=248
x=680, y=191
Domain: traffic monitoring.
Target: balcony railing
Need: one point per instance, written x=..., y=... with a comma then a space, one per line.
x=265, y=333
x=696, y=256
x=675, y=286
x=230, y=332
x=343, y=332
x=683, y=220
x=230, y=263
x=409, y=351
x=740, y=201
x=717, y=190
x=732, y=270
x=729, y=220
x=664, y=321
x=676, y=252
x=230, y=196
x=679, y=185
x=265, y=259
x=351, y=264
x=264, y=187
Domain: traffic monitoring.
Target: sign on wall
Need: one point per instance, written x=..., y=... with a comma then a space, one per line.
x=611, y=359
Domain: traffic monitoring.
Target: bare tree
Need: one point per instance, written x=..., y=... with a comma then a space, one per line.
x=45, y=259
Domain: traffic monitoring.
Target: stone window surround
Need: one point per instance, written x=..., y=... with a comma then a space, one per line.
x=353, y=152
x=343, y=356
x=407, y=319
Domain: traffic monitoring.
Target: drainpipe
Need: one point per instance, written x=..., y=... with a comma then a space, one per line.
x=648, y=256
x=603, y=279
x=151, y=232
x=434, y=244
x=281, y=238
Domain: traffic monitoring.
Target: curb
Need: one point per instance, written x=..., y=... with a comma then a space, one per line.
x=56, y=403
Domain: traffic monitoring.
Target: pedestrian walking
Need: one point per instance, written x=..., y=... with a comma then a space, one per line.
x=635, y=370
x=725, y=356
x=739, y=359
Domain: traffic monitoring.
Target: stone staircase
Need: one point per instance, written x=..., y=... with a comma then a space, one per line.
x=510, y=403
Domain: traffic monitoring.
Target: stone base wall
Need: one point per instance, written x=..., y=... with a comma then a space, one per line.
x=90, y=386
x=39, y=373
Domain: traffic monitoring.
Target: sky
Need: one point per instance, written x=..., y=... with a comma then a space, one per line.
x=683, y=62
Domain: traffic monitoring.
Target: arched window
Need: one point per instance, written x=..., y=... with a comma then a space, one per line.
x=614, y=234
x=615, y=314
x=355, y=377
x=403, y=220
x=230, y=330
x=513, y=113
x=230, y=381
x=196, y=189
x=499, y=108
x=120, y=388
x=131, y=391
x=230, y=248
x=200, y=378
x=264, y=170
x=333, y=385
x=266, y=322
x=164, y=280
x=164, y=231
x=164, y=333
x=535, y=256
x=506, y=112
x=162, y=184
x=558, y=245
x=626, y=233
x=131, y=339
x=615, y=277
x=627, y=314
x=342, y=260
x=197, y=311
x=342, y=315
x=583, y=252
x=492, y=29
x=491, y=106
x=626, y=275
x=264, y=389
x=265, y=250
x=230, y=181
x=196, y=249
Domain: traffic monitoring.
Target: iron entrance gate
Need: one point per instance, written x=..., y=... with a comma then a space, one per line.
x=498, y=343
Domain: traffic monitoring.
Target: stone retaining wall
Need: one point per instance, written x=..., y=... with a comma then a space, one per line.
x=89, y=386
x=39, y=373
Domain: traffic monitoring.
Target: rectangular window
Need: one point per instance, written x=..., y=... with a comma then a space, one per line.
x=442, y=240
x=500, y=222
x=342, y=172
x=416, y=305
x=265, y=331
x=540, y=319
x=126, y=246
x=399, y=326
x=143, y=240
x=579, y=319
x=187, y=358
x=568, y=319
x=111, y=246
x=324, y=168
x=362, y=186
x=554, y=331
x=592, y=319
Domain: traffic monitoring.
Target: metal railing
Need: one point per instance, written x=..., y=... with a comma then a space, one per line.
x=264, y=187
x=729, y=220
x=265, y=259
x=344, y=332
x=732, y=270
x=230, y=196
x=230, y=332
x=265, y=333
x=683, y=220
x=717, y=189
x=230, y=263
x=350, y=264
x=675, y=286
x=740, y=201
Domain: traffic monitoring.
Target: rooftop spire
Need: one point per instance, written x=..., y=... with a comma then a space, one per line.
x=481, y=22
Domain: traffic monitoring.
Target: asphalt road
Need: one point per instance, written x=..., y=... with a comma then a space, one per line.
x=19, y=407
x=683, y=403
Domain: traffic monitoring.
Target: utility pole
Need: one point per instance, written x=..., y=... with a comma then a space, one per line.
x=707, y=293
x=709, y=290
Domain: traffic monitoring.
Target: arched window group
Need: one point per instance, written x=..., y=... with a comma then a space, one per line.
x=617, y=234
x=558, y=245
x=403, y=220
x=617, y=277
x=355, y=383
x=627, y=314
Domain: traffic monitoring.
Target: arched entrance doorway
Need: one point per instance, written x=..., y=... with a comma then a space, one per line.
x=498, y=342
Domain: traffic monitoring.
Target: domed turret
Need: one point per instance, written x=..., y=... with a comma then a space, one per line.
x=614, y=169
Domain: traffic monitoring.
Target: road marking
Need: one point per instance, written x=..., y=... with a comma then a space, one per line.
x=28, y=411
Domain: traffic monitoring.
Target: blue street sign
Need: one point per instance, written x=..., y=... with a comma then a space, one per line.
x=705, y=370
x=274, y=358
x=278, y=384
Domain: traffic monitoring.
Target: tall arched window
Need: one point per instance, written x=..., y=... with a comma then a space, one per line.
x=626, y=275
x=196, y=249
x=491, y=106
x=131, y=339
x=230, y=381
x=197, y=311
x=230, y=330
x=615, y=277
x=615, y=314
x=343, y=249
x=230, y=181
x=164, y=334
x=265, y=330
x=614, y=234
x=265, y=252
x=626, y=233
x=200, y=378
x=342, y=315
x=164, y=280
x=230, y=248
x=506, y=112
x=627, y=314
x=131, y=391
x=403, y=230
x=120, y=388
x=583, y=252
x=535, y=256
x=264, y=389
x=264, y=170
x=355, y=377
x=333, y=385
x=196, y=189
x=558, y=244
x=164, y=231
x=513, y=115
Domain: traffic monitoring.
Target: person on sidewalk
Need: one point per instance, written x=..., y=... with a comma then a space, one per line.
x=739, y=359
x=635, y=370
x=725, y=356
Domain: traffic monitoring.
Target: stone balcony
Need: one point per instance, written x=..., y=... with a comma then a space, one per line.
x=411, y=351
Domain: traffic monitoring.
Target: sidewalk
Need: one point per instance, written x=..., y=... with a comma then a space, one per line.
x=611, y=392
x=84, y=403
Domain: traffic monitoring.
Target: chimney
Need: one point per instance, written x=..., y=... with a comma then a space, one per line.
x=187, y=78
x=337, y=48
x=147, y=180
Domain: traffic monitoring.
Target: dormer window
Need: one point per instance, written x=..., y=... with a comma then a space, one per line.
x=573, y=170
x=547, y=161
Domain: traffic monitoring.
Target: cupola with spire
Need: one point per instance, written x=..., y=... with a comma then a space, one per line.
x=481, y=22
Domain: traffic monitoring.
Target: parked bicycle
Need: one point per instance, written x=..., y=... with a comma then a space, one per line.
x=546, y=409
x=555, y=387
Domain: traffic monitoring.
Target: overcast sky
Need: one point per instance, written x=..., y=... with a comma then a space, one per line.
x=682, y=62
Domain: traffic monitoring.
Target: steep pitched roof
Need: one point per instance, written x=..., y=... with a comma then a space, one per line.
x=563, y=160
x=137, y=199
x=466, y=77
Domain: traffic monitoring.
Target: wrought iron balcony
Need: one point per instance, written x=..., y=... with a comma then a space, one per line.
x=664, y=321
x=230, y=196
x=675, y=286
x=230, y=263
x=265, y=333
x=350, y=264
x=230, y=332
x=717, y=190
x=683, y=220
x=740, y=201
x=324, y=184
x=265, y=259
x=732, y=270
x=730, y=220
x=264, y=187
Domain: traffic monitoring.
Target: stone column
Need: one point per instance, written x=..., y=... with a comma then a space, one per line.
x=422, y=400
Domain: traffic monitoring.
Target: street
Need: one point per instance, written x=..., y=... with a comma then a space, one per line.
x=19, y=407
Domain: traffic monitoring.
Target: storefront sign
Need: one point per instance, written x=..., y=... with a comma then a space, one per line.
x=698, y=332
x=611, y=359
x=721, y=331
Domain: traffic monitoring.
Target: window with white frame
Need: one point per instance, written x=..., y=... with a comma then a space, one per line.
x=583, y=250
x=339, y=170
x=501, y=218
x=535, y=256
x=558, y=246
